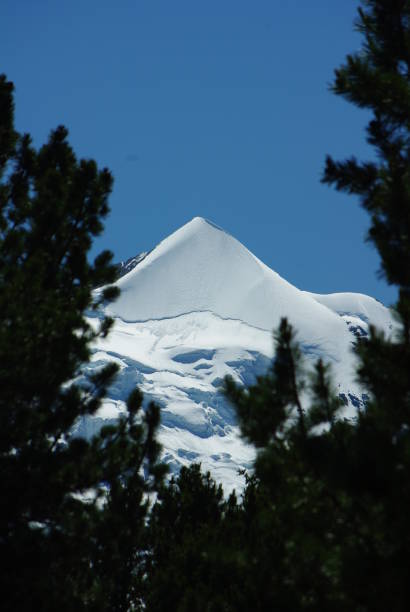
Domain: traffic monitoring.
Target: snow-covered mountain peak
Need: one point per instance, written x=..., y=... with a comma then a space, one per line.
x=201, y=306
x=202, y=268
x=197, y=222
x=200, y=224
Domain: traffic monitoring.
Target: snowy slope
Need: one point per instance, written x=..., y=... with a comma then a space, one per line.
x=202, y=268
x=200, y=306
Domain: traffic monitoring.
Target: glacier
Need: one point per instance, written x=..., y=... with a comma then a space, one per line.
x=198, y=307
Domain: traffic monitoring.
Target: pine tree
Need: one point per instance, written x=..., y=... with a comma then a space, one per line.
x=58, y=549
x=185, y=525
x=294, y=515
x=338, y=492
x=378, y=79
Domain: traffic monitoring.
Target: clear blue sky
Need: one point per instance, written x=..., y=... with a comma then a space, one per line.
x=217, y=108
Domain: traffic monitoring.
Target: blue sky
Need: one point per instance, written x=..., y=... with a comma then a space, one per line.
x=212, y=108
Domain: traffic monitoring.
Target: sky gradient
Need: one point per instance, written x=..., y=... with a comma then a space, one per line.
x=219, y=109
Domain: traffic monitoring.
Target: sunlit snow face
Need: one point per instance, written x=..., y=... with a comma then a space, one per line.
x=201, y=306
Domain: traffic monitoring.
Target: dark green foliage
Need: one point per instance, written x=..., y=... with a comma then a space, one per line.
x=295, y=516
x=128, y=454
x=340, y=490
x=58, y=552
x=185, y=524
x=201, y=546
x=263, y=409
x=378, y=79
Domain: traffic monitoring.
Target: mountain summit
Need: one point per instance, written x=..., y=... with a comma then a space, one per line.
x=200, y=268
x=200, y=306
